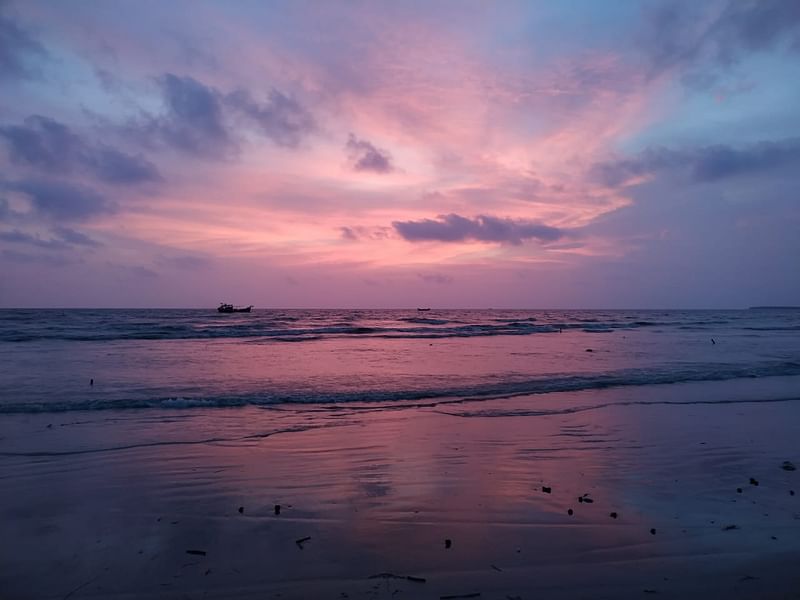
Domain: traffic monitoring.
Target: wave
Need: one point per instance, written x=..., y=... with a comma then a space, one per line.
x=19, y=326
x=479, y=391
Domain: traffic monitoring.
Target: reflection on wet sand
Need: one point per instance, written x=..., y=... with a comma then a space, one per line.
x=377, y=492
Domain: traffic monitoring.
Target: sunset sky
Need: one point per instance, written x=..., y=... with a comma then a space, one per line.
x=400, y=154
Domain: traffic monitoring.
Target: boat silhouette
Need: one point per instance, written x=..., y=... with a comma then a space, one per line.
x=230, y=308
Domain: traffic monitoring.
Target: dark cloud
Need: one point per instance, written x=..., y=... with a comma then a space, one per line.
x=753, y=25
x=63, y=238
x=46, y=144
x=194, y=121
x=679, y=33
x=281, y=119
x=437, y=278
x=138, y=271
x=185, y=262
x=18, y=237
x=62, y=201
x=348, y=234
x=483, y=228
x=200, y=120
x=17, y=47
x=366, y=157
x=704, y=164
x=75, y=238
x=52, y=260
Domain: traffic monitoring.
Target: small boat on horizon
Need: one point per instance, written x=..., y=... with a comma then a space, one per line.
x=230, y=308
x=423, y=309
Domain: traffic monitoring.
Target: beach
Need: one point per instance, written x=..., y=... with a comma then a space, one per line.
x=359, y=500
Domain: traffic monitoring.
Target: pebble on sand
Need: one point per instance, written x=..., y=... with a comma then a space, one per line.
x=448, y=543
x=569, y=512
x=546, y=489
x=241, y=510
x=753, y=481
x=613, y=515
x=653, y=531
x=738, y=490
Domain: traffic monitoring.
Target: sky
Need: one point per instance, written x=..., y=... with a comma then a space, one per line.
x=575, y=154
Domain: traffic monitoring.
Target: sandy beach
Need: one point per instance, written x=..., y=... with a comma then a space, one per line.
x=360, y=500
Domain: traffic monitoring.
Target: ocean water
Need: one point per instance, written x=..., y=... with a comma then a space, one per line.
x=140, y=359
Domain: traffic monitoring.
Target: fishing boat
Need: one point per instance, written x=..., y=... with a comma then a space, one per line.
x=230, y=308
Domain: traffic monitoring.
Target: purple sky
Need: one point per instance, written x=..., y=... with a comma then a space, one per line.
x=400, y=154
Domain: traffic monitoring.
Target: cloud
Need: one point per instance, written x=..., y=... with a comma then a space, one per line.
x=201, y=120
x=18, y=237
x=76, y=238
x=437, y=278
x=709, y=163
x=194, y=121
x=347, y=233
x=64, y=238
x=366, y=157
x=52, y=260
x=683, y=34
x=185, y=262
x=62, y=201
x=50, y=146
x=483, y=228
x=281, y=119
x=16, y=47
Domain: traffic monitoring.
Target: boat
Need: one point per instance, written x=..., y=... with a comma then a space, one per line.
x=423, y=309
x=230, y=308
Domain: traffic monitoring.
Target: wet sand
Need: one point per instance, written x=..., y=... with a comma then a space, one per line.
x=108, y=504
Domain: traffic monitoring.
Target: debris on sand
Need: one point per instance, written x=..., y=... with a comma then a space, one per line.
x=738, y=490
x=791, y=492
x=547, y=490
x=196, y=552
x=613, y=515
x=496, y=568
x=730, y=527
x=753, y=481
x=589, y=350
x=241, y=510
x=569, y=512
x=788, y=466
x=653, y=531
x=302, y=541
x=277, y=509
x=448, y=543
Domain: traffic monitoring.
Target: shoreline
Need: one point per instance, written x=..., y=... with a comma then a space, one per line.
x=379, y=489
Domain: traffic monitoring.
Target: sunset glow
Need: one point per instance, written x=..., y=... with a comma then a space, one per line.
x=362, y=154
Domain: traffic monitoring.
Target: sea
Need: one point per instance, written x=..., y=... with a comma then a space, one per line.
x=88, y=360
